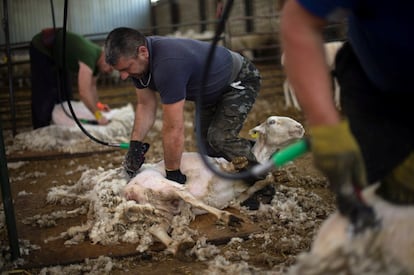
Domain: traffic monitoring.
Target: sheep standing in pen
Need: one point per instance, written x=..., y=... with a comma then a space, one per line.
x=158, y=204
x=388, y=249
x=331, y=48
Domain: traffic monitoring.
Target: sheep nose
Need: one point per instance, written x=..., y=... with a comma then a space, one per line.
x=300, y=129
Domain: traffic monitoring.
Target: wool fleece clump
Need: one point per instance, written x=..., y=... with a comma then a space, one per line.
x=111, y=218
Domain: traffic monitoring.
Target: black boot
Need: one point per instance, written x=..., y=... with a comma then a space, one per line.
x=242, y=164
x=263, y=196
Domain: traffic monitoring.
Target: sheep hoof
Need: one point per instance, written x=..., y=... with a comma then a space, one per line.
x=240, y=163
x=235, y=221
x=183, y=252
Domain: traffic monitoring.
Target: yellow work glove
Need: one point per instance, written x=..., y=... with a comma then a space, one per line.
x=398, y=186
x=337, y=155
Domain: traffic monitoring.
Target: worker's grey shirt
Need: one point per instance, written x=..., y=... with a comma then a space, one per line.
x=177, y=65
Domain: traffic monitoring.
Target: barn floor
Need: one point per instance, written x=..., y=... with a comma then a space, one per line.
x=55, y=252
x=273, y=246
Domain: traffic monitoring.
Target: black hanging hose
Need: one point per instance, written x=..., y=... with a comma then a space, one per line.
x=118, y=145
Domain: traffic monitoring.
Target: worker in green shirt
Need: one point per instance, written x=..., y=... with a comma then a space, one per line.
x=83, y=57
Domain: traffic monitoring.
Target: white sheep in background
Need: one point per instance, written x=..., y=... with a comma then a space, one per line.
x=65, y=136
x=247, y=43
x=191, y=34
x=154, y=202
x=388, y=249
x=61, y=114
x=331, y=48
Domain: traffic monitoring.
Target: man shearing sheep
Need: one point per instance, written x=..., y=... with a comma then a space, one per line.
x=173, y=67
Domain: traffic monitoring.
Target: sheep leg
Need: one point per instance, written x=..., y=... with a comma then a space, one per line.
x=288, y=102
x=258, y=185
x=221, y=215
x=294, y=99
x=177, y=249
x=337, y=95
x=160, y=232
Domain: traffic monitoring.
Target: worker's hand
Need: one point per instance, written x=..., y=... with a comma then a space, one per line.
x=176, y=175
x=103, y=107
x=135, y=157
x=100, y=118
x=337, y=155
x=103, y=121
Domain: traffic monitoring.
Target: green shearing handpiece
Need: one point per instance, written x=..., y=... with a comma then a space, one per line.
x=290, y=152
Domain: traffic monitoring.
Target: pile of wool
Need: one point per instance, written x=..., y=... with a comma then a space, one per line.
x=65, y=136
x=98, y=266
x=111, y=219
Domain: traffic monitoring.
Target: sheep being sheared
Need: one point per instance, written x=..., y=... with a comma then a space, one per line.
x=331, y=48
x=386, y=249
x=64, y=136
x=112, y=218
x=205, y=191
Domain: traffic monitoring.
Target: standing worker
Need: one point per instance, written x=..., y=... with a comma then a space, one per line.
x=174, y=68
x=82, y=57
x=374, y=139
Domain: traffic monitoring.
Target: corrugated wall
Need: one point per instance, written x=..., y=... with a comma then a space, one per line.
x=27, y=17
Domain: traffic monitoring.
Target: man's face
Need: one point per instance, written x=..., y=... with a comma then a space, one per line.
x=135, y=67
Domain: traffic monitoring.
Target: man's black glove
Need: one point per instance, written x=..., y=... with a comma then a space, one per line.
x=135, y=157
x=176, y=175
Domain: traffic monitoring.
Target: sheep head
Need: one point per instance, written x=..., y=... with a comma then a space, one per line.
x=273, y=134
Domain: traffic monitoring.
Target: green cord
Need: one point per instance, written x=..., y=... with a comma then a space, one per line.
x=124, y=145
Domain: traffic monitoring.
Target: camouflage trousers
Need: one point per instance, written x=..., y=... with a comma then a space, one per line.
x=221, y=123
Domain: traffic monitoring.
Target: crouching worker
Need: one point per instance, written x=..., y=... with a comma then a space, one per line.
x=174, y=68
x=83, y=57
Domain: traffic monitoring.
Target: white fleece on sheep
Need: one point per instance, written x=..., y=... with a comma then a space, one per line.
x=69, y=138
x=111, y=218
x=388, y=249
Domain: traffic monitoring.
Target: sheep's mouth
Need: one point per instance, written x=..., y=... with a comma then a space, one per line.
x=296, y=133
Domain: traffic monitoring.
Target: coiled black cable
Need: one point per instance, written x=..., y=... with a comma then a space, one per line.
x=119, y=145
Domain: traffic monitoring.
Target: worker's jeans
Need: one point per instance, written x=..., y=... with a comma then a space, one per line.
x=222, y=122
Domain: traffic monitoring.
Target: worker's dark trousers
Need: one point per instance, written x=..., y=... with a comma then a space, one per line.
x=45, y=93
x=382, y=122
x=222, y=122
